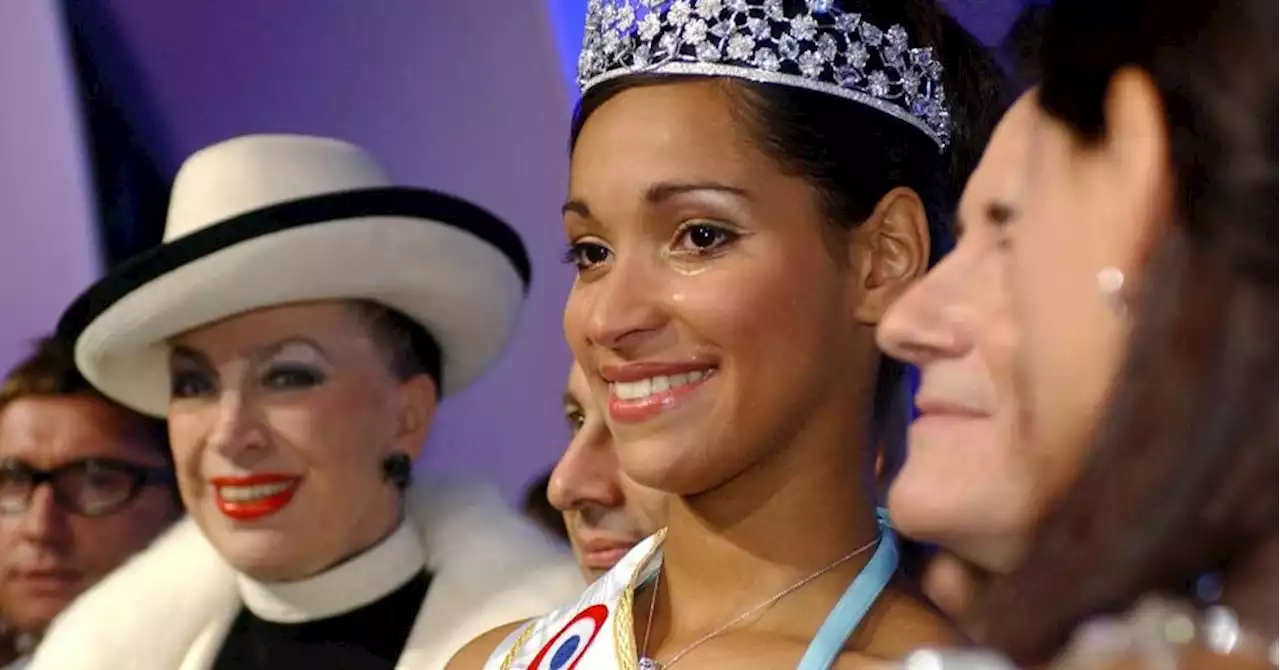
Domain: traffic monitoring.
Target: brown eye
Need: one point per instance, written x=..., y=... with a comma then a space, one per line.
x=702, y=237
x=292, y=377
x=188, y=384
x=576, y=418
x=586, y=255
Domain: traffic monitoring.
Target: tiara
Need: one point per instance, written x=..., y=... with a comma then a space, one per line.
x=819, y=48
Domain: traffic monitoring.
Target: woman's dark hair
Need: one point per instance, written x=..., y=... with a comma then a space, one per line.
x=408, y=348
x=852, y=154
x=1182, y=473
x=1021, y=46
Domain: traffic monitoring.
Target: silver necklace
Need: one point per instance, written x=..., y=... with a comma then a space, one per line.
x=649, y=663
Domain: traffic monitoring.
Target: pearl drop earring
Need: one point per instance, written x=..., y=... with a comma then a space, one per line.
x=1111, y=283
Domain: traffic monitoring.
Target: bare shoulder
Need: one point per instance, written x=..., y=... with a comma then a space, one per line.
x=477, y=652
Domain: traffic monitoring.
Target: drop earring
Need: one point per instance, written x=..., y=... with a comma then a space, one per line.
x=1111, y=283
x=398, y=470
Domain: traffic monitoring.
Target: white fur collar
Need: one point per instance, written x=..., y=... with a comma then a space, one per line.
x=489, y=568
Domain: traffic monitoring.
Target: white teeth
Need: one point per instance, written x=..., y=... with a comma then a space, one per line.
x=256, y=492
x=646, y=387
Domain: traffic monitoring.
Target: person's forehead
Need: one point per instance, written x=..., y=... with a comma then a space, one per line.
x=51, y=430
x=1003, y=161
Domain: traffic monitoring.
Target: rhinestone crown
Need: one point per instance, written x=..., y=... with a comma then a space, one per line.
x=819, y=48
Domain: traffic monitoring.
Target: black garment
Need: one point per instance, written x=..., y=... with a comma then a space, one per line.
x=369, y=638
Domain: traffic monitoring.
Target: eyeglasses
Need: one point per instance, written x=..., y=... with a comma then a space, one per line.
x=89, y=487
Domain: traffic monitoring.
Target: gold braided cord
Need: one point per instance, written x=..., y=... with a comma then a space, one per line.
x=623, y=628
x=520, y=642
x=624, y=637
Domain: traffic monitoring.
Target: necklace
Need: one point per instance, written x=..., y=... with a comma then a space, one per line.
x=649, y=663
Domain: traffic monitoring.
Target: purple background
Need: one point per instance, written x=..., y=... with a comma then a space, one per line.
x=466, y=96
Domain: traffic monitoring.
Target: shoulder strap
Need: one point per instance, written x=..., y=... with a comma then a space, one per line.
x=854, y=604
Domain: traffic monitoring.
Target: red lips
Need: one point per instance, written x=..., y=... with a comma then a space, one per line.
x=255, y=496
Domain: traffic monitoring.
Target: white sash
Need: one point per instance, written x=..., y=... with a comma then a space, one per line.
x=594, y=633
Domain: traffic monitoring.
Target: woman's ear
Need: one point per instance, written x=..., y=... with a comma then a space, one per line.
x=890, y=251
x=415, y=411
x=1137, y=173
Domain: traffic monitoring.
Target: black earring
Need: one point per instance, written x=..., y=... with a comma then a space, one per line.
x=398, y=469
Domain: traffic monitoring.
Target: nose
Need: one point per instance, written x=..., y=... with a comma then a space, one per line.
x=622, y=308
x=928, y=321
x=587, y=474
x=44, y=521
x=238, y=428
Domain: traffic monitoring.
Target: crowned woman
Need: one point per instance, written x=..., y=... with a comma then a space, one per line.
x=296, y=328
x=752, y=183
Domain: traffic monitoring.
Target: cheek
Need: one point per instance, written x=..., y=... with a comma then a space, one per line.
x=189, y=428
x=10, y=536
x=576, y=310
x=1045, y=305
x=648, y=507
x=768, y=313
x=104, y=542
x=335, y=427
x=998, y=346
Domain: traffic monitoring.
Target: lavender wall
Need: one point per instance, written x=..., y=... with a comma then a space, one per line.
x=47, y=249
x=458, y=96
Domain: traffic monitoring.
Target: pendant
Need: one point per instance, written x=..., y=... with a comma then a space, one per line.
x=647, y=663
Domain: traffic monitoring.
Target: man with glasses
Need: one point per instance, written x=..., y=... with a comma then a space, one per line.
x=84, y=484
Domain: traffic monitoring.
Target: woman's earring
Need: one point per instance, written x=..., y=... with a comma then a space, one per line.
x=1111, y=283
x=398, y=470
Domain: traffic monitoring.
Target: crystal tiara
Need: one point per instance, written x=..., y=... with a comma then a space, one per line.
x=819, y=48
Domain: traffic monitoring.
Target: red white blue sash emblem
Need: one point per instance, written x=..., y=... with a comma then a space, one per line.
x=564, y=650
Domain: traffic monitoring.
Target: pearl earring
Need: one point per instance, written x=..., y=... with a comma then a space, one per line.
x=1111, y=283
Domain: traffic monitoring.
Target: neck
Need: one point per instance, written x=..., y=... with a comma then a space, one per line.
x=1250, y=587
x=774, y=524
x=357, y=582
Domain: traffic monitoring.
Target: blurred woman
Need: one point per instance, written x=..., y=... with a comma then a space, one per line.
x=606, y=513
x=1141, y=255
x=965, y=483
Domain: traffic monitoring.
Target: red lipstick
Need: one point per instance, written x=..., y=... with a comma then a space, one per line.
x=255, y=496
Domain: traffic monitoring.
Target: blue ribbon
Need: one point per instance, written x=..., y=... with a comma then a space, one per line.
x=856, y=601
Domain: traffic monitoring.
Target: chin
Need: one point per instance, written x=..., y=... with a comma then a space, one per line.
x=991, y=539
x=266, y=568
x=37, y=615
x=919, y=512
x=661, y=467
x=263, y=555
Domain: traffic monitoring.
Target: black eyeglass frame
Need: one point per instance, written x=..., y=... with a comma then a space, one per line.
x=138, y=478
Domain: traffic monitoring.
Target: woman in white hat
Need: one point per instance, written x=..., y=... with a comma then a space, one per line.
x=296, y=328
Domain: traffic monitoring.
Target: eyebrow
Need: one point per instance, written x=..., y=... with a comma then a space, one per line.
x=255, y=353
x=179, y=352
x=661, y=192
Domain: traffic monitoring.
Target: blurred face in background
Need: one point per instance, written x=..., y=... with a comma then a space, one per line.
x=966, y=483
x=1089, y=216
x=83, y=486
x=605, y=512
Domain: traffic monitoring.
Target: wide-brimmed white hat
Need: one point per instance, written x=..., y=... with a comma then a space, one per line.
x=267, y=220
